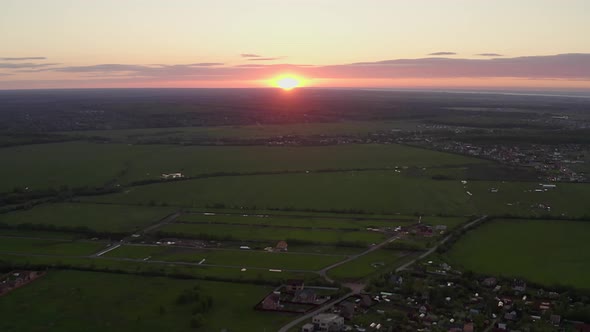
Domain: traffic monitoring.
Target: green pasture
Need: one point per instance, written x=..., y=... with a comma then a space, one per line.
x=544, y=251
x=90, y=301
x=238, y=258
x=98, y=217
x=48, y=247
x=272, y=234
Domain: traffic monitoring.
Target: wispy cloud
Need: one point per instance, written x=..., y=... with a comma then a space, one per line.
x=265, y=59
x=24, y=58
x=571, y=67
x=250, y=55
x=11, y=65
x=489, y=54
x=442, y=53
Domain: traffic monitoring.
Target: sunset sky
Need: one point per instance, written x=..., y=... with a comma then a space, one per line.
x=515, y=44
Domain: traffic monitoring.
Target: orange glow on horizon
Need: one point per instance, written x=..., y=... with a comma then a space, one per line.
x=287, y=82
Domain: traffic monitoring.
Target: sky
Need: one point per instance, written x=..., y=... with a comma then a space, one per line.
x=503, y=44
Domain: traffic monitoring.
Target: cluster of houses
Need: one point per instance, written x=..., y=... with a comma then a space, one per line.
x=171, y=176
x=293, y=297
x=433, y=296
x=16, y=279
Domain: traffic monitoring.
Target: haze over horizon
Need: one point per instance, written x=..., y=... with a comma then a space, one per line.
x=428, y=44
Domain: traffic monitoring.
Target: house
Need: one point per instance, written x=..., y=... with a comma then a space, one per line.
x=271, y=302
x=347, y=310
x=307, y=328
x=281, y=246
x=396, y=280
x=468, y=327
x=305, y=296
x=294, y=285
x=555, y=319
x=519, y=285
x=366, y=301
x=328, y=322
x=440, y=228
x=490, y=282
x=510, y=315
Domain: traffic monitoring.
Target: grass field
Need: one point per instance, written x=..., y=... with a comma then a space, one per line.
x=48, y=247
x=78, y=164
x=252, y=131
x=98, y=217
x=307, y=222
x=272, y=234
x=242, y=258
x=89, y=301
x=374, y=191
x=547, y=252
x=376, y=261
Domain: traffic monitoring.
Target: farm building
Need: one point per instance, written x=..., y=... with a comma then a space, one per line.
x=282, y=246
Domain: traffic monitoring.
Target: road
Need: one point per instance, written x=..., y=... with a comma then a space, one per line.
x=323, y=272
x=325, y=307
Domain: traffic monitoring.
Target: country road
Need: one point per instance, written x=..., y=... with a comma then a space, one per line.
x=322, y=272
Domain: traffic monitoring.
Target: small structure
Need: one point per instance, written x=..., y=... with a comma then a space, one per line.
x=271, y=302
x=294, y=285
x=555, y=319
x=347, y=310
x=468, y=327
x=305, y=296
x=307, y=328
x=490, y=282
x=171, y=176
x=282, y=246
x=328, y=322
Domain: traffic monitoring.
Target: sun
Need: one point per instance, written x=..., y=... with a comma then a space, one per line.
x=287, y=82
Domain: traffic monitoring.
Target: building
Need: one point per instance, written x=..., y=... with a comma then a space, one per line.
x=271, y=302
x=282, y=246
x=328, y=322
x=294, y=285
x=305, y=296
x=307, y=328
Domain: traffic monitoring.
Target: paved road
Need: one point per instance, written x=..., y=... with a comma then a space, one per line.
x=433, y=249
x=325, y=307
x=323, y=272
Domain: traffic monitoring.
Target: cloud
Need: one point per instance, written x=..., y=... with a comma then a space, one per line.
x=568, y=67
x=489, y=54
x=11, y=65
x=24, y=58
x=250, y=55
x=442, y=53
x=265, y=59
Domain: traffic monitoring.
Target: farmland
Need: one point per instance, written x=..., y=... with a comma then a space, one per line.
x=90, y=301
x=112, y=218
x=93, y=164
x=48, y=247
x=241, y=258
x=270, y=234
x=545, y=251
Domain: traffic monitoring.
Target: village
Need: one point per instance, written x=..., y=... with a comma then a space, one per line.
x=433, y=296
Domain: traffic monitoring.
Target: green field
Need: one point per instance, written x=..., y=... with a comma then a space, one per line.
x=543, y=251
x=374, y=191
x=287, y=221
x=376, y=261
x=181, y=134
x=48, y=247
x=98, y=217
x=77, y=164
x=271, y=234
x=67, y=301
x=238, y=258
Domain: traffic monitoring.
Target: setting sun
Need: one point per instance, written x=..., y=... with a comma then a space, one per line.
x=287, y=82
